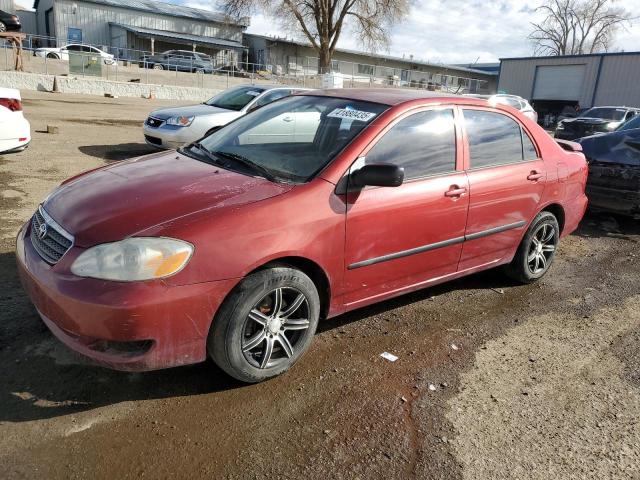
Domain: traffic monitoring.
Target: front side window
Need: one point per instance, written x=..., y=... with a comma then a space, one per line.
x=289, y=140
x=494, y=139
x=423, y=144
x=272, y=97
x=236, y=98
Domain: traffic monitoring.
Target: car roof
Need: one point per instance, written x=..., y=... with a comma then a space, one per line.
x=392, y=96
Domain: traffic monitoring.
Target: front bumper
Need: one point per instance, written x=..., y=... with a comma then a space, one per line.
x=168, y=136
x=125, y=326
x=615, y=200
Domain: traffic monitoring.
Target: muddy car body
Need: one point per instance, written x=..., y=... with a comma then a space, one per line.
x=614, y=170
x=237, y=245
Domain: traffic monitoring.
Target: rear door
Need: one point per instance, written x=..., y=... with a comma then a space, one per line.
x=506, y=179
x=403, y=237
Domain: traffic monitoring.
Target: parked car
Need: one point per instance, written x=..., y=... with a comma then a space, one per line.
x=62, y=53
x=9, y=22
x=594, y=120
x=236, y=247
x=614, y=169
x=15, y=131
x=232, y=71
x=173, y=127
x=180, y=60
x=514, y=101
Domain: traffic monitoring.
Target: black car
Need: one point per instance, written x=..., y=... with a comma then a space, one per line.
x=9, y=22
x=595, y=120
x=614, y=169
x=180, y=60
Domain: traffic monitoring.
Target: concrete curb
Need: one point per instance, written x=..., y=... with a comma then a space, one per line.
x=98, y=86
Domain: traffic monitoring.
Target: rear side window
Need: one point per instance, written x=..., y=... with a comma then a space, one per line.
x=528, y=148
x=495, y=139
x=424, y=144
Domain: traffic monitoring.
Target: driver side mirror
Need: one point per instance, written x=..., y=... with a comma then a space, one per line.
x=378, y=175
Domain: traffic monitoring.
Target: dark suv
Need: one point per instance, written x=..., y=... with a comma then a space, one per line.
x=9, y=22
x=180, y=60
x=593, y=121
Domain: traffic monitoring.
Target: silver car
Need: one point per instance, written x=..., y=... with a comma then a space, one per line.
x=174, y=127
x=514, y=101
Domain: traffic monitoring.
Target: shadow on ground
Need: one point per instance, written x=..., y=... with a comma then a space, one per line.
x=114, y=153
x=42, y=379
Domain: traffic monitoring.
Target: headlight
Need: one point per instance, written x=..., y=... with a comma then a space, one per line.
x=134, y=259
x=180, y=121
x=613, y=125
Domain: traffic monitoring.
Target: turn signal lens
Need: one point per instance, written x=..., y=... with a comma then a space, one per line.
x=134, y=259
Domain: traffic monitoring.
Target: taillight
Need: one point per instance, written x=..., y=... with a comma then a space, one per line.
x=11, y=103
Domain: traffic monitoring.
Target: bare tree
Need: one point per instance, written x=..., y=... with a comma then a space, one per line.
x=323, y=21
x=575, y=27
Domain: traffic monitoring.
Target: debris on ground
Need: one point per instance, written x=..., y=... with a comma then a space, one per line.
x=389, y=356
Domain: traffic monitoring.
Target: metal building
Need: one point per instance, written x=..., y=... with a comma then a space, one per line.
x=552, y=83
x=135, y=25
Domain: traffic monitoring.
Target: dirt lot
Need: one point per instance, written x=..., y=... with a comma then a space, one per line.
x=493, y=380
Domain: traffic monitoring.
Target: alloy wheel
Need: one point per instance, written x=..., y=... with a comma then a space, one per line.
x=3, y=27
x=541, y=249
x=275, y=328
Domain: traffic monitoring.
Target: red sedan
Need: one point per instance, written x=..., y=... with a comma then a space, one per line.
x=236, y=246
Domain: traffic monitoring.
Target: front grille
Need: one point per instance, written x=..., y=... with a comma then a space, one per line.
x=154, y=122
x=48, y=238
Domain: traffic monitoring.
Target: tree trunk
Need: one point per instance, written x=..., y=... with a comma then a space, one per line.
x=324, y=65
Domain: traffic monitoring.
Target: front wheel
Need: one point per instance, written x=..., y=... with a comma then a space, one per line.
x=3, y=27
x=53, y=56
x=265, y=325
x=537, y=250
x=158, y=66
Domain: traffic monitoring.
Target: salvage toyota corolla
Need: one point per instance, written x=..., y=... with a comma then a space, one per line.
x=237, y=245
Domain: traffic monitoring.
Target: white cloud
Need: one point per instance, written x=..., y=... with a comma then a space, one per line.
x=455, y=32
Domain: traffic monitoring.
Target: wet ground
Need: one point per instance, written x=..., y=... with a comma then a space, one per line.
x=493, y=380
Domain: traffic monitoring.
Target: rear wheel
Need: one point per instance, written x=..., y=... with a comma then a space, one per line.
x=537, y=250
x=265, y=325
x=53, y=56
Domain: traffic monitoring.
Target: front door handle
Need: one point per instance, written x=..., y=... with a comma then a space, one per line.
x=455, y=192
x=288, y=119
x=535, y=176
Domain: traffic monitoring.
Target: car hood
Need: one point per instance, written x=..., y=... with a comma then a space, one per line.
x=590, y=121
x=122, y=200
x=190, y=111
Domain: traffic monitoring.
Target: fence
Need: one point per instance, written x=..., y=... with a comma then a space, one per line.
x=129, y=65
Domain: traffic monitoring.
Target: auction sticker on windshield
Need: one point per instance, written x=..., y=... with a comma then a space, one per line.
x=351, y=114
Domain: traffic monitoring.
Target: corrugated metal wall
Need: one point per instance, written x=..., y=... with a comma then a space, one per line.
x=619, y=81
x=7, y=6
x=617, y=84
x=93, y=19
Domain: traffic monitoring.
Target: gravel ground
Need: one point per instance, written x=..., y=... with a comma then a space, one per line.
x=494, y=380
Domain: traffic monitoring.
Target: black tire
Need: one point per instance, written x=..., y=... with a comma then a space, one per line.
x=53, y=56
x=3, y=27
x=157, y=66
x=234, y=331
x=537, y=250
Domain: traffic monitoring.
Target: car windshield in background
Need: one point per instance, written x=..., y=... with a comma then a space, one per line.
x=616, y=114
x=630, y=125
x=235, y=99
x=291, y=139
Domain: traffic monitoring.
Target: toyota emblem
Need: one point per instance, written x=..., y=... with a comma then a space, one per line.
x=42, y=231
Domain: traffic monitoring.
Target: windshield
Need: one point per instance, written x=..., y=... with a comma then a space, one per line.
x=236, y=98
x=293, y=138
x=616, y=114
x=631, y=124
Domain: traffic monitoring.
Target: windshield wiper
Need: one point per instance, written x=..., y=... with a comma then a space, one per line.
x=211, y=158
x=264, y=172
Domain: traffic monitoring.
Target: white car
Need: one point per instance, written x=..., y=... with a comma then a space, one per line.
x=15, y=131
x=514, y=101
x=62, y=53
x=174, y=127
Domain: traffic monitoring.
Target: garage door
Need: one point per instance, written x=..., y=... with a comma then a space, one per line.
x=559, y=82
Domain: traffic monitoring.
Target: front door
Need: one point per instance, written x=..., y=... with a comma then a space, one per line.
x=398, y=238
x=506, y=180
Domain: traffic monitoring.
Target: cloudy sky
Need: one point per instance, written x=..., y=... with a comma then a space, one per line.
x=457, y=32
x=453, y=32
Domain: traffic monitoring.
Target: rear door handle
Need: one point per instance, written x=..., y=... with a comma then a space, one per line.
x=455, y=192
x=535, y=176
